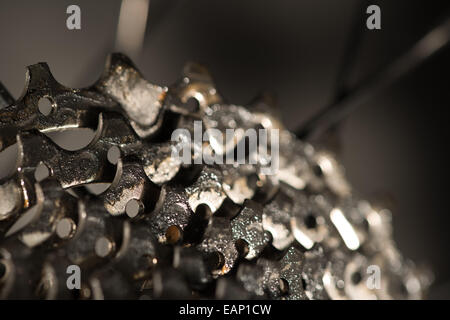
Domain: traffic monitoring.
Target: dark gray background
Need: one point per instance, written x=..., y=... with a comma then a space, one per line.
x=395, y=144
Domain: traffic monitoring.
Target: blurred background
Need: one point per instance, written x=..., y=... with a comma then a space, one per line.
x=304, y=52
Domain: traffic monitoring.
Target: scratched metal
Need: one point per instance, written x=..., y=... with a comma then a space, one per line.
x=161, y=228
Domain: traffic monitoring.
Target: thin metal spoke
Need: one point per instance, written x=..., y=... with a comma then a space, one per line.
x=422, y=50
x=350, y=51
x=131, y=27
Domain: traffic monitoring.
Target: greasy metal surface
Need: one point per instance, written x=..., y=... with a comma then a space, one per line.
x=163, y=229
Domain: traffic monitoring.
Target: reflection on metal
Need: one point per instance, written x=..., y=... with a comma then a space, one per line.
x=345, y=229
x=131, y=26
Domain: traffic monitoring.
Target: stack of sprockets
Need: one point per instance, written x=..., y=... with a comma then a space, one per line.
x=166, y=229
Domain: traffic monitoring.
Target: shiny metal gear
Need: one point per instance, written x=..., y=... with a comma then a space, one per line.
x=165, y=229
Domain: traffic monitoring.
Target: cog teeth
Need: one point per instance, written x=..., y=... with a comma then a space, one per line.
x=291, y=272
x=130, y=184
x=186, y=226
x=218, y=237
x=39, y=83
x=140, y=100
x=248, y=226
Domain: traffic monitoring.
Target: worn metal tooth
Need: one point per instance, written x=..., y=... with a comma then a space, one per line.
x=140, y=100
x=69, y=168
x=326, y=172
x=277, y=221
x=73, y=168
x=173, y=212
x=218, y=237
x=130, y=184
x=207, y=189
x=239, y=183
x=107, y=94
x=27, y=216
x=247, y=226
x=40, y=84
x=157, y=160
x=186, y=146
x=221, y=117
x=113, y=130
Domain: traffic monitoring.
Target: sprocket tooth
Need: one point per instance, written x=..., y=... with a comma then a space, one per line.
x=130, y=187
x=218, y=237
x=247, y=226
x=173, y=215
x=291, y=271
x=40, y=79
x=25, y=113
x=276, y=220
x=207, y=189
x=143, y=102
